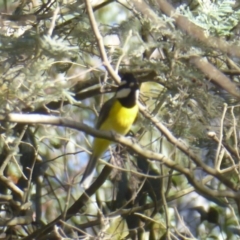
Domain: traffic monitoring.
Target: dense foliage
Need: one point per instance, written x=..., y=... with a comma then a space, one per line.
x=175, y=175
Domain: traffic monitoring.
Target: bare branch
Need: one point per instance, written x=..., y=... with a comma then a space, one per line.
x=215, y=75
x=57, y=121
x=101, y=47
x=197, y=32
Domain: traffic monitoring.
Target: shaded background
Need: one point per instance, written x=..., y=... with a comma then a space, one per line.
x=188, y=67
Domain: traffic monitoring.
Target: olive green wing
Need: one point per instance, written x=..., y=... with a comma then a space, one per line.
x=104, y=112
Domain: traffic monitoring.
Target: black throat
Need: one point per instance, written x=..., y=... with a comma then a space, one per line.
x=129, y=101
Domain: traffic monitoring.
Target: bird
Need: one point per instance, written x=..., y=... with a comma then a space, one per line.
x=117, y=114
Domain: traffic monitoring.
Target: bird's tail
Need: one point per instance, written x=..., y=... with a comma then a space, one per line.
x=89, y=172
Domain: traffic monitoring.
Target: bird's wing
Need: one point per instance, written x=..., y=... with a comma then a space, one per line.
x=89, y=171
x=104, y=112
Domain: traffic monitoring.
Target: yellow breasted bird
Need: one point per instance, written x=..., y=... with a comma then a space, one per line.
x=117, y=114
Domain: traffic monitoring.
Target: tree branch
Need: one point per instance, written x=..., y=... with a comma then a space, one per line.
x=101, y=47
x=197, y=32
x=215, y=75
x=65, y=122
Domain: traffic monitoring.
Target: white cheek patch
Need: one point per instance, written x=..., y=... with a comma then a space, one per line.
x=123, y=93
x=136, y=94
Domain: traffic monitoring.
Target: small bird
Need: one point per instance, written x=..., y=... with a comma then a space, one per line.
x=117, y=114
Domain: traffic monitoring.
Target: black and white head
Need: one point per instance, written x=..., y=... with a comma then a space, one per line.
x=128, y=90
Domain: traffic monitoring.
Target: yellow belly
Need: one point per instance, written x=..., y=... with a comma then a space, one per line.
x=120, y=120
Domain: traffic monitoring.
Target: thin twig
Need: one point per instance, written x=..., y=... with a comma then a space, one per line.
x=235, y=133
x=217, y=163
x=58, y=121
x=183, y=224
x=154, y=221
x=124, y=50
x=53, y=22
x=165, y=206
x=123, y=212
x=101, y=47
x=184, y=147
x=12, y=151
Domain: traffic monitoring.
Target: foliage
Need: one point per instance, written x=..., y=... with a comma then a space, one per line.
x=51, y=64
x=216, y=17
